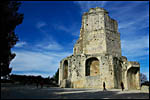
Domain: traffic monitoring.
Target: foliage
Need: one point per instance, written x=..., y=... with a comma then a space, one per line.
x=56, y=76
x=143, y=77
x=9, y=19
x=26, y=79
x=31, y=80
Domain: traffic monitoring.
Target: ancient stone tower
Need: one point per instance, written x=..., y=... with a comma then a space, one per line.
x=97, y=56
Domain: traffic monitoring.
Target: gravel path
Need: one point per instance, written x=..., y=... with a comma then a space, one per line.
x=31, y=92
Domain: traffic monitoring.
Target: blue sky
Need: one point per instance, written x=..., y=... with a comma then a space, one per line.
x=51, y=28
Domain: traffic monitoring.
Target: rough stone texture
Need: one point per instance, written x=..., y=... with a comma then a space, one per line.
x=145, y=88
x=97, y=56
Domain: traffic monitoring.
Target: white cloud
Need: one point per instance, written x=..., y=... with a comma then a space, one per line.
x=73, y=29
x=54, y=46
x=136, y=47
x=130, y=17
x=40, y=24
x=63, y=28
x=38, y=59
x=29, y=61
x=86, y=5
x=50, y=46
x=48, y=42
x=20, y=44
x=138, y=43
x=140, y=22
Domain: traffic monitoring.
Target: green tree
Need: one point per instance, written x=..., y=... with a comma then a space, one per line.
x=56, y=76
x=9, y=19
x=143, y=77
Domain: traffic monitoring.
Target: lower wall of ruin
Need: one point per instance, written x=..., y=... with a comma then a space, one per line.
x=88, y=82
x=111, y=70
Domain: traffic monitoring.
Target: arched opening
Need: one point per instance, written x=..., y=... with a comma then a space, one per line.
x=65, y=69
x=92, y=67
x=131, y=77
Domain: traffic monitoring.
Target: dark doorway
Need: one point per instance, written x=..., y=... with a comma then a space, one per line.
x=131, y=77
x=65, y=69
x=92, y=67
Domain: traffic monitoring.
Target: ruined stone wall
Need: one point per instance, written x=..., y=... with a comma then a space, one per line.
x=112, y=37
x=77, y=72
x=113, y=43
x=92, y=36
x=117, y=71
x=97, y=56
x=124, y=65
x=130, y=73
x=133, y=75
x=77, y=50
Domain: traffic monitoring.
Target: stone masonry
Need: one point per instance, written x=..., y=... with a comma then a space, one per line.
x=97, y=56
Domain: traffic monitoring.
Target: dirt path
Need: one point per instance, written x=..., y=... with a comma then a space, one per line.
x=31, y=92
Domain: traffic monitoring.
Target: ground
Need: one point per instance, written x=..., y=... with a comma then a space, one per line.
x=9, y=91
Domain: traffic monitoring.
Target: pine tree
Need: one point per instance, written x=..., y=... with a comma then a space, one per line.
x=9, y=19
x=56, y=76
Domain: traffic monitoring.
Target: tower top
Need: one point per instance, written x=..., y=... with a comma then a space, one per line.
x=96, y=10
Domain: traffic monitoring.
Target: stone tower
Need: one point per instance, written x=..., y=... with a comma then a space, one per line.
x=97, y=56
x=98, y=34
